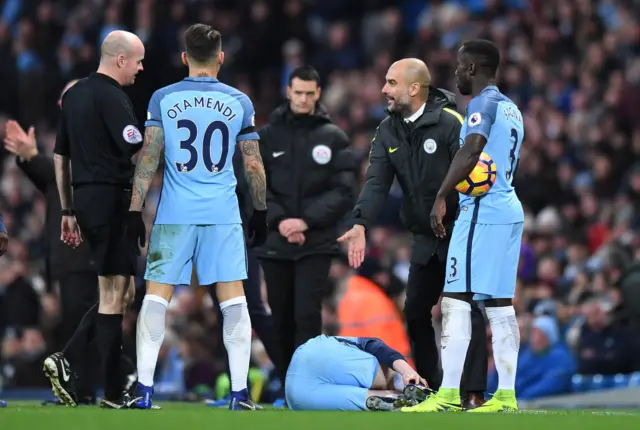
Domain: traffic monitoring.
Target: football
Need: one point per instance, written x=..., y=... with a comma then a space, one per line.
x=481, y=178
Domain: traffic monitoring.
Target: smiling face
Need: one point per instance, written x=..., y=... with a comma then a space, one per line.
x=396, y=90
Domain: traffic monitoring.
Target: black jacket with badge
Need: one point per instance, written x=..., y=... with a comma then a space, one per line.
x=311, y=174
x=419, y=155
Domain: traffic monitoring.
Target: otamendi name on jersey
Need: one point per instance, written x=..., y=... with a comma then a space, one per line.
x=201, y=102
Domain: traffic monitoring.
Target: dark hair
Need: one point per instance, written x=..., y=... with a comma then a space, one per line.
x=485, y=54
x=305, y=73
x=202, y=42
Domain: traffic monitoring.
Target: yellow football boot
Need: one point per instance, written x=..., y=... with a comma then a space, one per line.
x=502, y=401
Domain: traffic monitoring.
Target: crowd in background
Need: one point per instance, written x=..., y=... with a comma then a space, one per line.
x=572, y=67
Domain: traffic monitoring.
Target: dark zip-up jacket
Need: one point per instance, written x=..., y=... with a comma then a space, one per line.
x=419, y=155
x=311, y=174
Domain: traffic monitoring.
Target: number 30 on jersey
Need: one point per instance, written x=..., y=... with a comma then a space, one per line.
x=209, y=132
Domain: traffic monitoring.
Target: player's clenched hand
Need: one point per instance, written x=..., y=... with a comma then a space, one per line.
x=257, y=228
x=4, y=242
x=136, y=230
x=70, y=231
x=357, y=243
x=437, y=213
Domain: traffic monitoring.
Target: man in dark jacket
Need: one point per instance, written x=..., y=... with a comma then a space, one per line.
x=416, y=144
x=311, y=179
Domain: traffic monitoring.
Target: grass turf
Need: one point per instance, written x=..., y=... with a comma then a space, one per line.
x=190, y=416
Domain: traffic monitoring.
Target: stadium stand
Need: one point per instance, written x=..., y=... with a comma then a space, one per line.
x=572, y=67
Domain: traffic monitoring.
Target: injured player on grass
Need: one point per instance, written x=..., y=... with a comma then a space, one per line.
x=351, y=374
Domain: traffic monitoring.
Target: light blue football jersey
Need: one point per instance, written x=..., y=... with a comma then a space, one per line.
x=494, y=116
x=202, y=120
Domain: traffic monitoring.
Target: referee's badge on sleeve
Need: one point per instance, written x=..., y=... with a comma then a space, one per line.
x=131, y=134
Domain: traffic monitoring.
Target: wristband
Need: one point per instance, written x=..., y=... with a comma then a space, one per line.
x=68, y=212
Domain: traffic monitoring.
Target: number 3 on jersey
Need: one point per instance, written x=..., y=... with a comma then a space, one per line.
x=514, y=155
x=206, y=146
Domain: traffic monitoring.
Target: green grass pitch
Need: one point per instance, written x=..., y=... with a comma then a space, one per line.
x=182, y=416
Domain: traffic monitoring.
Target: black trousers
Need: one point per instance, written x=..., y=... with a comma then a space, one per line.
x=295, y=290
x=78, y=293
x=426, y=282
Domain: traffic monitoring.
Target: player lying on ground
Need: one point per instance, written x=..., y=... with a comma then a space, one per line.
x=196, y=123
x=485, y=244
x=350, y=374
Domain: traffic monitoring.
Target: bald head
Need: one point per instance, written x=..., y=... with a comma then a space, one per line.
x=121, y=56
x=407, y=86
x=414, y=70
x=119, y=43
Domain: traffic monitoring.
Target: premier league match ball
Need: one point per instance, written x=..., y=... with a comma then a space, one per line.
x=481, y=178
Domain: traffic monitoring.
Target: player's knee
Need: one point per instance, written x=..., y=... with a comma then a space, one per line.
x=497, y=303
x=229, y=290
x=162, y=290
x=463, y=297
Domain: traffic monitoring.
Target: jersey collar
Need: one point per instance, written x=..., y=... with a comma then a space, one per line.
x=489, y=87
x=200, y=79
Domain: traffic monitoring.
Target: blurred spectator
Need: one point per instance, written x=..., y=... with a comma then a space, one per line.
x=604, y=346
x=545, y=364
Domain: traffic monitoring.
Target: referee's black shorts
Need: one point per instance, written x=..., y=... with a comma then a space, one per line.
x=101, y=210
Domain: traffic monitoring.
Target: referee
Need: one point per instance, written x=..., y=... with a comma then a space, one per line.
x=416, y=144
x=97, y=135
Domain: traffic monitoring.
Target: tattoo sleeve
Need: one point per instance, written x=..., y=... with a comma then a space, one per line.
x=148, y=161
x=63, y=179
x=254, y=172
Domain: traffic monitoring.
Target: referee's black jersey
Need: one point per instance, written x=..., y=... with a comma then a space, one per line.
x=98, y=132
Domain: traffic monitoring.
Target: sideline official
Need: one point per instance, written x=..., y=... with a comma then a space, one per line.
x=416, y=144
x=311, y=179
x=98, y=135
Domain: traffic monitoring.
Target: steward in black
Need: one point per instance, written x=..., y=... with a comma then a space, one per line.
x=310, y=175
x=418, y=154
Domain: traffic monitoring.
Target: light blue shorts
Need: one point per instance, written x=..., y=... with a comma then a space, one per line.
x=328, y=375
x=218, y=252
x=483, y=259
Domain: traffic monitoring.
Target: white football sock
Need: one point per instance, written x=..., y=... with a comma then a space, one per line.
x=506, y=344
x=149, y=336
x=236, y=329
x=398, y=383
x=456, y=336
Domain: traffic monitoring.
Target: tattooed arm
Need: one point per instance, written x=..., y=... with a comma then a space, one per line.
x=148, y=161
x=254, y=172
x=63, y=179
